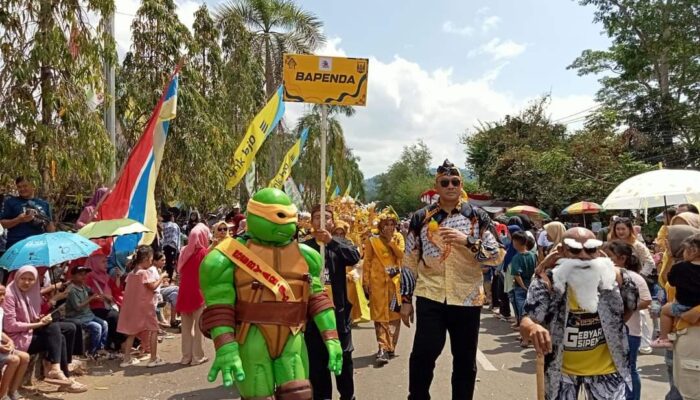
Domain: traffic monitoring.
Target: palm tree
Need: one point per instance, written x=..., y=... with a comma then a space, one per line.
x=345, y=164
x=278, y=27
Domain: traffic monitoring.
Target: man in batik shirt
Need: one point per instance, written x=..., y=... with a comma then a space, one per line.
x=446, y=246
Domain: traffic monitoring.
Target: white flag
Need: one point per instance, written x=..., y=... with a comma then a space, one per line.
x=291, y=189
x=250, y=179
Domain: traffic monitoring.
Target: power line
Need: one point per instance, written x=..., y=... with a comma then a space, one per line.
x=577, y=113
x=125, y=14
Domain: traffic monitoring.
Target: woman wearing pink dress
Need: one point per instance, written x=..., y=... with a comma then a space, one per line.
x=190, y=301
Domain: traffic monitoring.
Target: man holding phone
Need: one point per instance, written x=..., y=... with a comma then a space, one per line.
x=25, y=215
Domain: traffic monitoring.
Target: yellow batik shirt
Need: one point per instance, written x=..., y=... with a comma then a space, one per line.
x=448, y=273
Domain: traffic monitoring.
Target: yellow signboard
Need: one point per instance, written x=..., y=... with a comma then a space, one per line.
x=325, y=80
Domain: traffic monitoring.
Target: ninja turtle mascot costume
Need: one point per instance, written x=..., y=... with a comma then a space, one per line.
x=259, y=290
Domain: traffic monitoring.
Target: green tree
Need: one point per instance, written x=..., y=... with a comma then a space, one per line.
x=406, y=179
x=51, y=57
x=192, y=170
x=344, y=162
x=278, y=27
x=529, y=159
x=650, y=76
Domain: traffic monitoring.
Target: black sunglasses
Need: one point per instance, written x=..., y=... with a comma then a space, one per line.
x=455, y=182
x=588, y=250
x=222, y=229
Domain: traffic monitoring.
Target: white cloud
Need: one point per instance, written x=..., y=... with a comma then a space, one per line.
x=126, y=10
x=490, y=23
x=185, y=11
x=483, y=10
x=486, y=23
x=450, y=27
x=499, y=49
x=405, y=103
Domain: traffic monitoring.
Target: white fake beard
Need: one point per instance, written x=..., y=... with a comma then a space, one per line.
x=585, y=282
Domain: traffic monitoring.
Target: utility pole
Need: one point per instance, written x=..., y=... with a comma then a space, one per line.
x=110, y=113
x=324, y=135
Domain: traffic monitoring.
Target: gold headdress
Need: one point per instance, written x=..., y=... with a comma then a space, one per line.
x=388, y=213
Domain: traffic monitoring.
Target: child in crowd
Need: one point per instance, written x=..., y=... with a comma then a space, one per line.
x=78, y=310
x=167, y=291
x=522, y=267
x=138, y=312
x=14, y=361
x=685, y=277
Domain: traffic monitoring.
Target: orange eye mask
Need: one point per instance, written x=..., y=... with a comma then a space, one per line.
x=275, y=213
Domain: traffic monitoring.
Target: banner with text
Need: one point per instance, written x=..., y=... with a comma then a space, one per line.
x=258, y=130
x=289, y=160
x=325, y=80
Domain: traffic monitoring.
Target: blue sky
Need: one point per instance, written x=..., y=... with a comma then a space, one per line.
x=438, y=34
x=437, y=67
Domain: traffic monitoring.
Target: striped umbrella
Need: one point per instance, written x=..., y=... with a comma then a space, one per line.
x=583, y=207
x=527, y=210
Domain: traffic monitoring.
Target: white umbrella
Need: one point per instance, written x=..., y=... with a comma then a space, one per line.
x=659, y=188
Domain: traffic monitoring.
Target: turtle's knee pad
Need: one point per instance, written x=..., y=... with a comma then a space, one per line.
x=295, y=390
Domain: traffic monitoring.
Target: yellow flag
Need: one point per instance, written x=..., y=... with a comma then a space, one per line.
x=258, y=130
x=347, y=191
x=289, y=160
x=329, y=179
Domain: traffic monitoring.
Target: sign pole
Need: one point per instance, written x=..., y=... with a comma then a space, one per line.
x=324, y=134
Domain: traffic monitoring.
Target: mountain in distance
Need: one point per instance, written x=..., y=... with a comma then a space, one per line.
x=371, y=185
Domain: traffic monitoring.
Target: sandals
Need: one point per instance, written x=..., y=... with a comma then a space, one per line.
x=661, y=344
x=155, y=363
x=185, y=361
x=57, y=378
x=129, y=363
x=16, y=396
x=74, y=387
x=200, y=361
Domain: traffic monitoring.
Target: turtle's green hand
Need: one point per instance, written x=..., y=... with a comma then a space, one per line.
x=335, y=356
x=228, y=362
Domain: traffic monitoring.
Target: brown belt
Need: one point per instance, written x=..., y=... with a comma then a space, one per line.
x=271, y=313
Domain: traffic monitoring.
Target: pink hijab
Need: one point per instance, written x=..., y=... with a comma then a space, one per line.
x=98, y=264
x=197, y=240
x=30, y=300
x=88, y=212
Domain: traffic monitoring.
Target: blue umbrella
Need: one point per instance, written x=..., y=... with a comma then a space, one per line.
x=47, y=250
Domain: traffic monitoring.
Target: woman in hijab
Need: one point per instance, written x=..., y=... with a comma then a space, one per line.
x=190, y=301
x=91, y=208
x=36, y=333
x=687, y=218
x=684, y=381
x=107, y=308
x=555, y=232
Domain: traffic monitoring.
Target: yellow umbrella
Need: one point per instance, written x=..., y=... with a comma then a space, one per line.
x=112, y=227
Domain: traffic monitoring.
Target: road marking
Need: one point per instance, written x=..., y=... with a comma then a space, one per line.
x=485, y=363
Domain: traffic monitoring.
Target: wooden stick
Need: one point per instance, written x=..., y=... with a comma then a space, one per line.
x=540, y=376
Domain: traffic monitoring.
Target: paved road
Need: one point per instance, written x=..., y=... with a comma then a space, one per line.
x=505, y=372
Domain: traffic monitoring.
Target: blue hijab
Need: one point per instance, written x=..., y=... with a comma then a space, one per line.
x=510, y=252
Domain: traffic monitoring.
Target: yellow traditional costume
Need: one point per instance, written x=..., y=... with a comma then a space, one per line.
x=356, y=296
x=382, y=279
